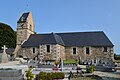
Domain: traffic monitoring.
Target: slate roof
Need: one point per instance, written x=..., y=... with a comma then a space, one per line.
x=36, y=39
x=23, y=18
x=97, y=38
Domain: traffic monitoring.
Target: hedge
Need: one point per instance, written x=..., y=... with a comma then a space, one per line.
x=50, y=76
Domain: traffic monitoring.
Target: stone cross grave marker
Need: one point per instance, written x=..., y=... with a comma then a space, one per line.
x=4, y=48
x=4, y=57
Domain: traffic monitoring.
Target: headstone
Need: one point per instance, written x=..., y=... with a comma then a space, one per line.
x=11, y=74
x=61, y=64
x=4, y=57
x=96, y=61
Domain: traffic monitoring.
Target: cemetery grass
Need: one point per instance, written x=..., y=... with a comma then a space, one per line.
x=70, y=61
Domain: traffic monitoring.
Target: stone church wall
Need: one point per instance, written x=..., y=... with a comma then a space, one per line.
x=28, y=52
x=61, y=52
x=56, y=51
x=96, y=54
x=79, y=53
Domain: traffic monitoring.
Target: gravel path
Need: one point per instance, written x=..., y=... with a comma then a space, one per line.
x=108, y=75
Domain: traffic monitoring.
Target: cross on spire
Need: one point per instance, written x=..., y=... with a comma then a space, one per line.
x=4, y=48
x=27, y=3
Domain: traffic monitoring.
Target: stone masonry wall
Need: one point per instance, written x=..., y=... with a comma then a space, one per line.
x=96, y=54
x=25, y=29
x=79, y=53
x=56, y=51
x=61, y=52
x=28, y=52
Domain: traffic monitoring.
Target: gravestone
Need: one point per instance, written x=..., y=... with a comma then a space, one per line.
x=4, y=57
x=61, y=64
x=10, y=74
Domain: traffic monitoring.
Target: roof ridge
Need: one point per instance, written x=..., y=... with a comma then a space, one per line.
x=80, y=32
x=69, y=32
x=55, y=35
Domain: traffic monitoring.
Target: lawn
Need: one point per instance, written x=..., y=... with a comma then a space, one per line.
x=70, y=61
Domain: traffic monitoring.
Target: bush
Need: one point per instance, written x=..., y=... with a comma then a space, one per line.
x=50, y=76
x=56, y=63
x=29, y=74
x=58, y=75
x=90, y=69
x=44, y=76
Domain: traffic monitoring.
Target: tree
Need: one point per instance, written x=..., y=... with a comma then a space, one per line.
x=116, y=57
x=7, y=36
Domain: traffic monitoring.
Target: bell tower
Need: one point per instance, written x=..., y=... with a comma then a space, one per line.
x=25, y=27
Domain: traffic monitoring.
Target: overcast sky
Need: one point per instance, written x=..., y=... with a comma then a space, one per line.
x=67, y=16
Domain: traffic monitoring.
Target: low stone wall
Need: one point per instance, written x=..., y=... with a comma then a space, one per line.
x=10, y=74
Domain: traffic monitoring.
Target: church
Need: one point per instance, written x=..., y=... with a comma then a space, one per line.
x=94, y=47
